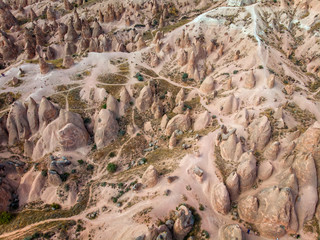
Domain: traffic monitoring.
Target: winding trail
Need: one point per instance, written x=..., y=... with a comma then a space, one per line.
x=264, y=59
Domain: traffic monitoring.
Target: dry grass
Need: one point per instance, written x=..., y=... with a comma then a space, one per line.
x=59, y=99
x=304, y=117
x=28, y=217
x=124, y=69
x=114, y=90
x=147, y=71
x=53, y=227
x=134, y=148
x=62, y=88
x=74, y=100
x=7, y=98
x=112, y=78
x=57, y=63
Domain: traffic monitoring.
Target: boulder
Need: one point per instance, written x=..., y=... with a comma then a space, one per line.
x=221, y=199
x=54, y=178
x=150, y=177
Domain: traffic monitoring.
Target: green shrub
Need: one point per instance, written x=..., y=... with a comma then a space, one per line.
x=112, y=154
x=5, y=217
x=122, y=133
x=139, y=77
x=64, y=176
x=80, y=161
x=205, y=234
x=90, y=167
x=112, y=167
x=185, y=76
x=44, y=172
x=104, y=106
x=87, y=120
x=201, y=207
x=235, y=71
x=55, y=206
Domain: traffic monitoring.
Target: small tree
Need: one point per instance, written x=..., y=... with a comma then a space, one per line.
x=90, y=167
x=112, y=167
x=185, y=76
x=80, y=161
x=55, y=206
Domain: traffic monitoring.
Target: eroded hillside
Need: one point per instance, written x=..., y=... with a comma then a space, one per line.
x=159, y=120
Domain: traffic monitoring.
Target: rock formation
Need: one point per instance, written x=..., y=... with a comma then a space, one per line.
x=233, y=185
x=232, y=231
x=150, y=177
x=247, y=170
x=260, y=133
x=184, y=223
x=250, y=80
x=33, y=117
x=144, y=101
x=47, y=112
x=272, y=211
x=67, y=132
x=230, y=105
x=44, y=66
x=208, y=85
x=106, y=128
x=180, y=121
x=17, y=123
x=221, y=199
